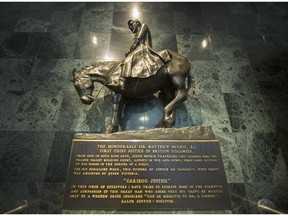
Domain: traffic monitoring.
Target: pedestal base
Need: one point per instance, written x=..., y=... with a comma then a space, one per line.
x=186, y=159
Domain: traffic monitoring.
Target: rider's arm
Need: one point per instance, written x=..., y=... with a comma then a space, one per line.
x=142, y=31
x=135, y=44
x=139, y=35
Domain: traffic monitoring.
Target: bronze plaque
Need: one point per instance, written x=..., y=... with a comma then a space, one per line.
x=142, y=174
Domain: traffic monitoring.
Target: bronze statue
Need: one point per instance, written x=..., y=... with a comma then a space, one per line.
x=141, y=74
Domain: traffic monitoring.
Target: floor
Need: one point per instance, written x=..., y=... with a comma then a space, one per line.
x=240, y=57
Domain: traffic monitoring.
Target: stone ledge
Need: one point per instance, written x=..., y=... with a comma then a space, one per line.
x=185, y=133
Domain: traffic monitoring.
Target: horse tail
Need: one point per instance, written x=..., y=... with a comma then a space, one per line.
x=188, y=81
x=191, y=84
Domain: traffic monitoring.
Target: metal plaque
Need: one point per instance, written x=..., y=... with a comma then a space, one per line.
x=142, y=174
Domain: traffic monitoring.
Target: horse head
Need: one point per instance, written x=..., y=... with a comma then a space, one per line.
x=83, y=85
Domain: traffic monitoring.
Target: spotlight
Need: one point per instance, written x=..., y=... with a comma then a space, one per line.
x=135, y=13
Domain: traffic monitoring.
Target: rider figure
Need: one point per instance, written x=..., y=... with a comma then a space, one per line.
x=141, y=32
x=141, y=61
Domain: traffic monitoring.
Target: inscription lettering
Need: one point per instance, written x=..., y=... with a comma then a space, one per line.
x=146, y=174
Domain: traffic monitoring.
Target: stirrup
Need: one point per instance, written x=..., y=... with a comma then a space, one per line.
x=122, y=83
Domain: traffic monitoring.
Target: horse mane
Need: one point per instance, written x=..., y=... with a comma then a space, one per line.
x=106, y=64
x=106, y=67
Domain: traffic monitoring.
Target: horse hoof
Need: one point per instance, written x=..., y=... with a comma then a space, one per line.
x=168, y=123
x=111, y=129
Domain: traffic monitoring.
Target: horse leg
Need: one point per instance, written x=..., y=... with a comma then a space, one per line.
x=180, y=97
x=167, y=95
x=194, y=95
x=116, y=114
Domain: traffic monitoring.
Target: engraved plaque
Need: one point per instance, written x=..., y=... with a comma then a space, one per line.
x=142, y=174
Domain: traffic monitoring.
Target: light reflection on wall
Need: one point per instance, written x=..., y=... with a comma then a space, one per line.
x=135, y=13
x=108, y=58
x=204, y=43
x=94, y=40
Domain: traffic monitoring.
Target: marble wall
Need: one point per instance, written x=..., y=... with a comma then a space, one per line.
x=240, y=57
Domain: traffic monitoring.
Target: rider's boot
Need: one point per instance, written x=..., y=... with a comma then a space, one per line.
x=119, y=82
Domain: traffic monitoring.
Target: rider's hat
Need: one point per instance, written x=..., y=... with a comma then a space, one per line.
x=130, y=22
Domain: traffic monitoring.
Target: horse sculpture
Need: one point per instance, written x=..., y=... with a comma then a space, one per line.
x=173, y=80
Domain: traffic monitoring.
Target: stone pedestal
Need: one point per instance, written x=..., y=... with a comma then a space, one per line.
x=185, y=133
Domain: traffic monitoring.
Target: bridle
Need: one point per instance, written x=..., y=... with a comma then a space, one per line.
x=84, y=90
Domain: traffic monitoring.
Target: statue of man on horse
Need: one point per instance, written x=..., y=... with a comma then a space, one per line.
x=141, y=74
